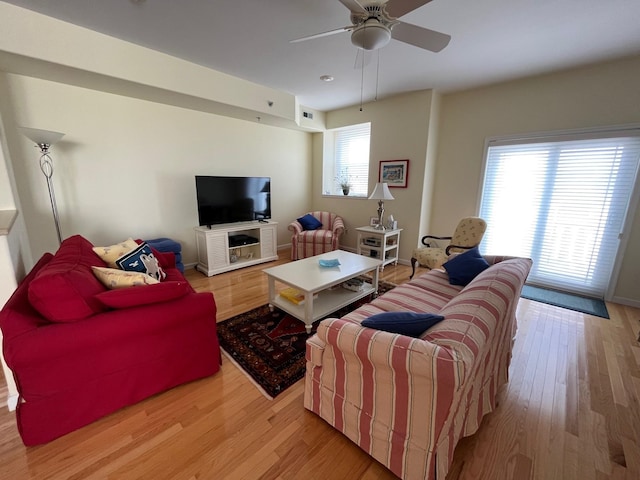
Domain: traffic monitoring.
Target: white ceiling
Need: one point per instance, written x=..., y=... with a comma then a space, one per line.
x=492, y=40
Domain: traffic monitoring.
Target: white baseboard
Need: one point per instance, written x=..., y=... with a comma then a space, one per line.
x=287, y=247
x=626, y=301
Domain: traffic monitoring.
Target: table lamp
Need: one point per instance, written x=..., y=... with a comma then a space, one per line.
x=381, y=193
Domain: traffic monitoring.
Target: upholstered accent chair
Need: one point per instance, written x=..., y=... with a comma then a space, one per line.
x=307, y=241
x=467, y=235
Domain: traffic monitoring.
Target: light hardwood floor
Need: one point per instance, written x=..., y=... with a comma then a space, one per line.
x=569, y=411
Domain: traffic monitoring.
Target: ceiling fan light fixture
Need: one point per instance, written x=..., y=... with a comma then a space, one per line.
x=371, y=35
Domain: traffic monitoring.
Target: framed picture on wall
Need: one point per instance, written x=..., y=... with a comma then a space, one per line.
x=395, y=173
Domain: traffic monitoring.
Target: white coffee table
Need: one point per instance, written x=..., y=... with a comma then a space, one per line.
x=315, y=281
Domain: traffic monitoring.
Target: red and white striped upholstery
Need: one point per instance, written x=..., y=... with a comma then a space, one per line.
x=307, y=243
x=408, y=401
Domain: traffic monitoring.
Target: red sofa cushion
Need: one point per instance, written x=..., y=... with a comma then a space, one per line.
x=144, y=294
x=65, y=289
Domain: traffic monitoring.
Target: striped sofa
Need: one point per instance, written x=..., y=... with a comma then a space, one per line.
x=408, y=401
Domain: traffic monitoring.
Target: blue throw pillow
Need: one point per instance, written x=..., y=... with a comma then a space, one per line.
x=405, y=323
x=465, y=267
x=309, y=222
x=141, y=259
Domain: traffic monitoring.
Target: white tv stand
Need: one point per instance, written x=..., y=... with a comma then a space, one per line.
x=218, y=253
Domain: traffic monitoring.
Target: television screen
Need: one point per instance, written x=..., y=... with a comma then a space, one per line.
x=232, y=199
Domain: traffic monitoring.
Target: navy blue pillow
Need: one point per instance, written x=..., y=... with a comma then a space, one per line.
x=309, y=222
x=465, y=267
x=406, y=323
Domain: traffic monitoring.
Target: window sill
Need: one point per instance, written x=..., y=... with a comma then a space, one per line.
x=359, y=197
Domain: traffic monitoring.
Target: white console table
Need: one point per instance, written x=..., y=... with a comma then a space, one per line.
x=218, y=252
x=381, y=244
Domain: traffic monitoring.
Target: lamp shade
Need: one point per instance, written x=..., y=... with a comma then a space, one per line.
x=381, y=192
x=41, y=137
x=371, y=35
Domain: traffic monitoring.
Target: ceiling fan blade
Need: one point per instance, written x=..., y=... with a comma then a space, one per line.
x=354, y=6
x=398, y=8
x=420, y=37
x=323, y=34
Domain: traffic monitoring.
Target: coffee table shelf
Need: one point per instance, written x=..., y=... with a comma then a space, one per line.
x=321, y=285
x=327, y=301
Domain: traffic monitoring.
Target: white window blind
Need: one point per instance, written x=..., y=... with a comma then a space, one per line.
x=562, y=203
x=349, y=160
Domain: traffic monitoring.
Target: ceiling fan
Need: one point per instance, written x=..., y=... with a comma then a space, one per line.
x=375, y=23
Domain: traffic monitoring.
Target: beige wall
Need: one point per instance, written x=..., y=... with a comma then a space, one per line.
x=7, y=200
x=17, y=241
x=140, y=124
x=6, y=192
x=627, y=290
x=41, y=46
x=126, y=166
x=400, y=129
x=600, y=95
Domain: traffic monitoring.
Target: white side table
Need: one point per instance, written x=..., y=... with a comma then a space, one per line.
x=381, y=244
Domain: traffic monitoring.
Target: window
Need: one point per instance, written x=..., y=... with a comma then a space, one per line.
x=346, y=156
x=563, y=203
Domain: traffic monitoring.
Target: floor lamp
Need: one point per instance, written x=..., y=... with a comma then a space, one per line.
x=44, y=139
x=381, y=193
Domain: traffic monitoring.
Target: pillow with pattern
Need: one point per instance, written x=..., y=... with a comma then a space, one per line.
x=110, y=254
x=142, y=259
x=113, y=278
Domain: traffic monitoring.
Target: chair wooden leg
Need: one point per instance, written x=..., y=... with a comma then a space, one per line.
x=413, y=267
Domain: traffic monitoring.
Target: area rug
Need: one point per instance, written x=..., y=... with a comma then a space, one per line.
x=592, y=306
x=269, y=346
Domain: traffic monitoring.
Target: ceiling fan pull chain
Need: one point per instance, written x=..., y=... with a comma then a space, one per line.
x=362, y=79
x=377, y=77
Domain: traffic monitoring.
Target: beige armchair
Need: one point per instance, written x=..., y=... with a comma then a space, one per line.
x=467, y=235
x=306, y=242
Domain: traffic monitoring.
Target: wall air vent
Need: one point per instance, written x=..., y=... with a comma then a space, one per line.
x=308, y=115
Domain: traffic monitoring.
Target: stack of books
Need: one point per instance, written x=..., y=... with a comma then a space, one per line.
x=294, y=295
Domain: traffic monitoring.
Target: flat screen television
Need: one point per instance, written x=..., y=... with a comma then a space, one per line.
x=232, y=199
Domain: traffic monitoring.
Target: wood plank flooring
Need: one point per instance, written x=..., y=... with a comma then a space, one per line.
x=570, y=411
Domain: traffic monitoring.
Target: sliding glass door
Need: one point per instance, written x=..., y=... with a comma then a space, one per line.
x=563, y=203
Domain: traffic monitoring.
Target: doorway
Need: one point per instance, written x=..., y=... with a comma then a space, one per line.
x=562, y=202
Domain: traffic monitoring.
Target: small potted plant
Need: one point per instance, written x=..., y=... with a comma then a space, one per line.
x=344, y=181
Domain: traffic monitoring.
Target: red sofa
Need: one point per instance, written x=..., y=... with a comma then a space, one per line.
x=79, y=351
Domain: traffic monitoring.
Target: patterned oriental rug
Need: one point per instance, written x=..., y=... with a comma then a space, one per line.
x=269, y=346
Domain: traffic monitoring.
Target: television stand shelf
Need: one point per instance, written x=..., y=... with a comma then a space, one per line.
x=230, y=246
